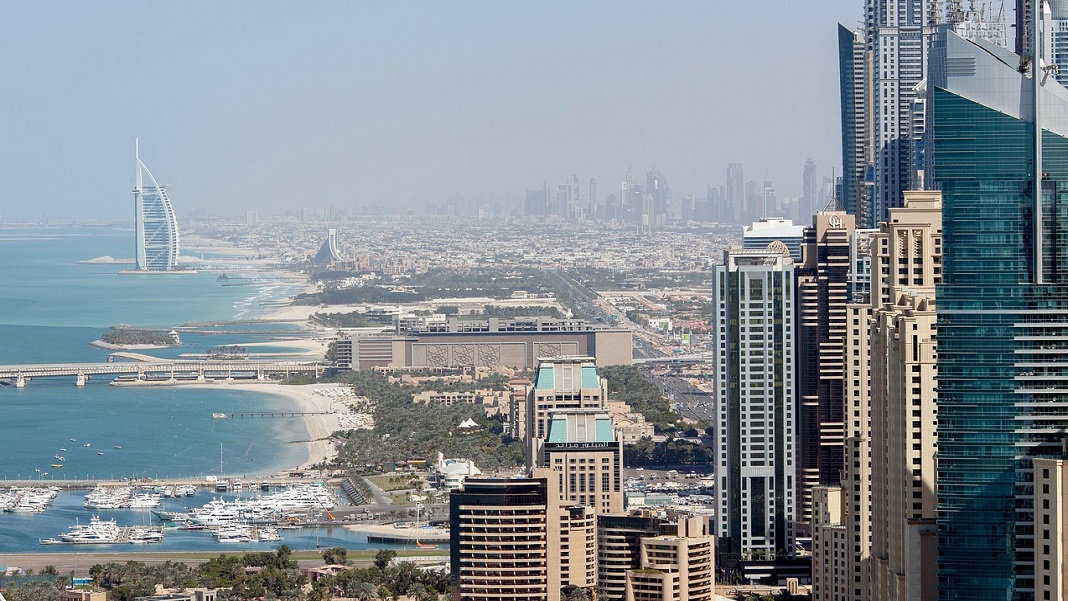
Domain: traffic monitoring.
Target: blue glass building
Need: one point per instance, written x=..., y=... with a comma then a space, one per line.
x=1002, y=311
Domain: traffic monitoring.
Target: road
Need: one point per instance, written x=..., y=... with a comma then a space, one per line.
x=687, y=399
x=590, y=305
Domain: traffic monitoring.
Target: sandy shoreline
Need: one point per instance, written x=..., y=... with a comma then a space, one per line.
x=319, y=448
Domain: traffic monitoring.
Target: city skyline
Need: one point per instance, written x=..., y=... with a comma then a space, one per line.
x=275, y=107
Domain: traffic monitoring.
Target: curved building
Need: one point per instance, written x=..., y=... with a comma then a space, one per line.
x=155, y=225
x=329, y=252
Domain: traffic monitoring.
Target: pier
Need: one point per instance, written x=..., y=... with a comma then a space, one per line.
x=160, y=371
x=276, y=413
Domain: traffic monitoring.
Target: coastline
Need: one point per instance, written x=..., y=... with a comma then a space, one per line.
x=318, y=448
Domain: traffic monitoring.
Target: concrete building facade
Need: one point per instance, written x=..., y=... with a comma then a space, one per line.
x=515, y=539
x=493, y=342
x=890, y=411
x=582, y=449
x=1051, y=528
x=673, y=569
x=561, y=383
x=822, y=293
x=753, y=304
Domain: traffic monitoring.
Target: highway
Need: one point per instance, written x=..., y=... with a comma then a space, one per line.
x=690, y=401
x=590, y=305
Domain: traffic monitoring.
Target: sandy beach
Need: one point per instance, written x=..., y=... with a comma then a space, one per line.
x=314, y=398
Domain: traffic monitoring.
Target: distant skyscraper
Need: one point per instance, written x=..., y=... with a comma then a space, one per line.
x=594, y=211
x=329, y=251
x=155, y=225
x=735, y=200
x=771, y=202
x=810, y=192
x=656, y=187
x=899, y=33
x=630, y=199
x=752, y=304
x=1002, y=311
x=856, y=134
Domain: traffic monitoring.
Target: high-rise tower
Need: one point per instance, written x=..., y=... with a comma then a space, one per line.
x=898, y=36
x=887, y=495
x=753, y=305
x=822, y=293
x=853, y=64
x=155, y=226
x=1002, y=309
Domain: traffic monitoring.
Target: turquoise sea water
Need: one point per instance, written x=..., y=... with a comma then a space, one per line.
x=51, y=307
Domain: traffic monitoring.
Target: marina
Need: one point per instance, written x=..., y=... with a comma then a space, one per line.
x=106, y=532
x=167, y=437
x=23, y=532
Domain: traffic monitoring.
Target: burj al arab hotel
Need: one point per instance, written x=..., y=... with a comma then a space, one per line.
x=154, y=223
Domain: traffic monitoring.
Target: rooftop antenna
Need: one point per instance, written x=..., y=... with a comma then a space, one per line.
x=1038, y=7
x=833, y=204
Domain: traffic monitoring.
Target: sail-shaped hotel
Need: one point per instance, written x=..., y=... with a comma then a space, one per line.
x=154, y=223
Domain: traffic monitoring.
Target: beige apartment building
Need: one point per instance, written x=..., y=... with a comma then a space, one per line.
x=888, y=501
x=619, y=538
x=561, y=383
x=515, y=539
x=1051, y=528
x=832, y=540
x=583, y=451
x=673, y=569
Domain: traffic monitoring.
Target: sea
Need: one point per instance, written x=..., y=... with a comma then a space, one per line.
x=52, y=305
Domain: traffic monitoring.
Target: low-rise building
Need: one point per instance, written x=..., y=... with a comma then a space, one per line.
x=673, y=569
x=194, y=594
x=491, y=342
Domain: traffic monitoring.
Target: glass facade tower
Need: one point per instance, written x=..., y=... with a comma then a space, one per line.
x=1002, y=327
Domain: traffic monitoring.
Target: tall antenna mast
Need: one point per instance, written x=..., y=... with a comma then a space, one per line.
x=1037, y=10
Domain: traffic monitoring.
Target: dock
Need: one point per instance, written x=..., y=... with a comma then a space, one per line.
x=275, y=413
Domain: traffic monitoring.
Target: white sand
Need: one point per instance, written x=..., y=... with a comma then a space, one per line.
x=313, y=348
x=319, y=427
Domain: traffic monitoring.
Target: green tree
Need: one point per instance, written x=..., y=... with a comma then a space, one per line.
x=34, y=591
x=336, y=555
x=383, y=558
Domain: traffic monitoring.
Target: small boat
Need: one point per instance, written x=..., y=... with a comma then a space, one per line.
x=218, y=416
x=100, y=452
x=57, y=465
x=74, y=440
x=425, y=545
x=88, y=444
x=63, y=450
x=118, y=446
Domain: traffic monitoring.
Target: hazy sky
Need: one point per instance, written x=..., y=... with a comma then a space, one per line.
x=277, y=105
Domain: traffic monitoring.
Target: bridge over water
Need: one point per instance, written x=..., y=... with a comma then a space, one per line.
x=159, y=371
